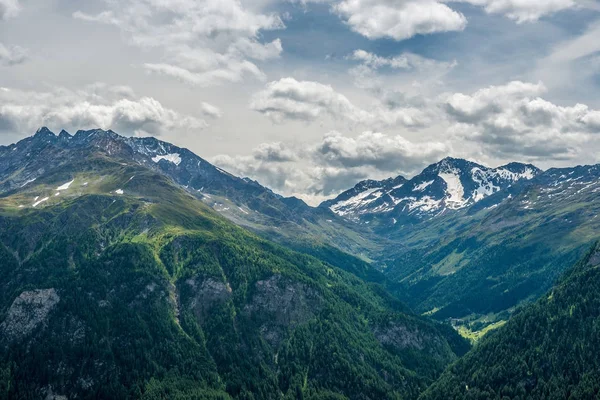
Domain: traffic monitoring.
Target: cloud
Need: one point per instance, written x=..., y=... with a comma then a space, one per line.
x=512, y=120
x=573, y=64
x=231, y=72
x=92, y=107
x=283, y=177
x=336, y=163
x=289, y=99
x=210, y=110
x=9, y=8
x=374, y=61
x=378, y=150
x=405, y=61
x=12, y=55
x=523, y=10
x=205, y=42
x=274, y=152
x=399, y=19
x=494, y=99
x=401, y=81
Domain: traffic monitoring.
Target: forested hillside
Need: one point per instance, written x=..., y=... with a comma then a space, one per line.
x=548, y=351
x=122, y=285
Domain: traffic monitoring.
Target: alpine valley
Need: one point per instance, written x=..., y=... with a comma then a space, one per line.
x=132, y=268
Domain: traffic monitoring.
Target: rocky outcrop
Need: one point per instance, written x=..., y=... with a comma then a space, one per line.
x=205, y=294
x=29, y=311
x=400, y=337
x=281, y=304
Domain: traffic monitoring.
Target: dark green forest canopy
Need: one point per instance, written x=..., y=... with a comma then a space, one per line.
x=549, y=350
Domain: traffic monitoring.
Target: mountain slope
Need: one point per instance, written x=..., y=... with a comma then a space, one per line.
x=548, y=351
x=504, y=250
x=246, y=202
x=449, y=185
x=122, y=285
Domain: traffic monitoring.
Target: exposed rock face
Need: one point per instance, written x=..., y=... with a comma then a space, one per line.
x=281, y=305
x=400, y=337
x=28, y=312
x=207, y=293
x=50, y=395
x=595, y=258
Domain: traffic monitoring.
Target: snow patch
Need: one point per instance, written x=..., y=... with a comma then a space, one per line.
x=28, y=182
x=360, y=200
x=455, y=191
x=37, y=203
x=425, y=204
x=422, y=186
x=486, y=187
x=173, y=157
x=509, y=175
x=65, y=186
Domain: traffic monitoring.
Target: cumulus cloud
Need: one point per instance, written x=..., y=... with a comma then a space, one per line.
x=378, y=150
x=289, y=99
x=9, y=8
x=494, y=99
x=274, y=152
x=405, y=61
x=12, y=55
x=513, y=120
x=399, y=19
x=523, y=10
x=336, y=163
x=92, y=107
x=206, y=42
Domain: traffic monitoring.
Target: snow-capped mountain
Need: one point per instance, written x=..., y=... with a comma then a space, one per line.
x=242, y=200
x=450, y=184
x=359, y=198
x=31, y=157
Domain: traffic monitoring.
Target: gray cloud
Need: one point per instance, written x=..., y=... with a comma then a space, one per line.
x=204, y=43
x=210, y=110
x=513, y=120
x=274, y=152
x=12, y=55
x=380, y=151
x=405, y=61
x=337, y=162
x=289, y=99
x=9, y=8
x=94, y=106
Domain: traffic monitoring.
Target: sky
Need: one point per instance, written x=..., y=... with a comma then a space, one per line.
x=311, y=96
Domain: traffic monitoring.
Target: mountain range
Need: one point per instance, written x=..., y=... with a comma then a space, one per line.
x=133, y=268
x=449, y=185
x=118, y=282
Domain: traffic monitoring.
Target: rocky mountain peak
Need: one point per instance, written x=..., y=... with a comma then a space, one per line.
x=44, y=132
x=450, y=184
